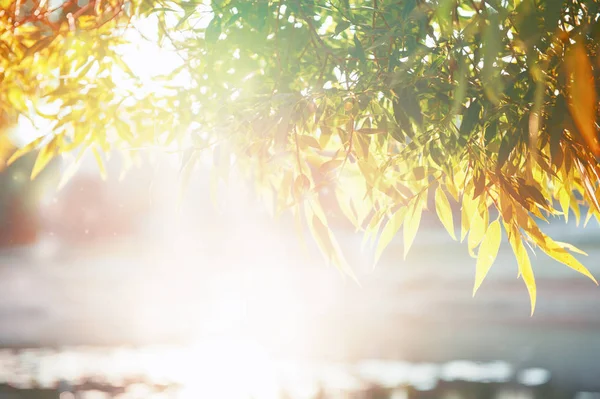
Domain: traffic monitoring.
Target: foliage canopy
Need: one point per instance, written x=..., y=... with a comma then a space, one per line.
x=378, y=104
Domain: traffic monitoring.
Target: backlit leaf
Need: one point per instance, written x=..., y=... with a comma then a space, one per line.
x=44, y=157
x=389, y=231
x=411, y=223
x=100, y=163
x=524, y=263
x=582, y=95
x=487, y=253
x=444, y=212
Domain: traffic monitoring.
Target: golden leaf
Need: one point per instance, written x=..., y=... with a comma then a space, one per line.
x=411, y=224
x=24, y=150
x=44, y=157
x=524, y=263
x=389, y=231
x=100, y=163
x=444, y=212
x=555, y=251
x=467, y=210
x=582, y=95
x=479, y=224
x=487, y=253
x=328, y=244
x=571, y=248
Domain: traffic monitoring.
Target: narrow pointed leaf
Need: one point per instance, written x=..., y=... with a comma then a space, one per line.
x=487, y=253
x=444, y=212
x=582, y=94
x=525, y=269
x=411, y=224
x=389, y=231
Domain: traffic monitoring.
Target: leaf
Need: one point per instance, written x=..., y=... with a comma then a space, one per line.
x=419, y=173
x=39, y=46
x=342, y=26
x=582, y=93
x=564, y=198
x=503, y=152
x=44, y=157
x=470, y=119
x=571, y=248
x=188, y=163
x=328, y=245
x=359, y=51
x=68, y=173
x=389, y=231
x=411, y=224
x=309, y=141
x=24, y=150
x=487, y=253
x=100, y=163
x=558, y=253
x=468, y=207
x=366, y=130
x=213, y=30
x=492, y=44
x=444, y=212
x=301, y=187
x=524, y=263
x=479, y=224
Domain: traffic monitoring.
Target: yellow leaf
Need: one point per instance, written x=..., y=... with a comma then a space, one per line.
x=389, y=231
x=347, y=207
x=44, y=156
x=582, y=94
x=328, y=244
x=100, y=163
x=411, y=224
x=524, y=263
x=571, y=248
x=444, y=212
x=479, y=226
x=487, y=253
x=6, y=147
x=301, y=187
x=70, y=171
x=24, y=150
x=188, y=163
x=467, y=210
x=555, y=251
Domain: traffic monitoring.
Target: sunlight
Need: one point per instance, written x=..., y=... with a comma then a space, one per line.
x=207, y=368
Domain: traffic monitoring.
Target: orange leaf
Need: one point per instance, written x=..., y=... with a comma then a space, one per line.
x=582, y=95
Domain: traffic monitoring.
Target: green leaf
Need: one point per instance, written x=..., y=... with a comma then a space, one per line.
x=470, y=119
x=492, y=44
x=213, y=30
x=359, y=51
x=444, y=212
x=487, y=253
x=342, y=26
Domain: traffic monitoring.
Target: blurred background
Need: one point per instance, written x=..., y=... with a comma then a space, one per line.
x=114, y=288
